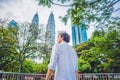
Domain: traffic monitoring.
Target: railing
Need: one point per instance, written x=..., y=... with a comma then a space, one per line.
x=85, y=76
x=21, y=76
x=99, y=76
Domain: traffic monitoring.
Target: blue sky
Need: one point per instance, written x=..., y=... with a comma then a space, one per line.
x=24, y=10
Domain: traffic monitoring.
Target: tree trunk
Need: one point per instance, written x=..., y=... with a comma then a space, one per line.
x=20, y=66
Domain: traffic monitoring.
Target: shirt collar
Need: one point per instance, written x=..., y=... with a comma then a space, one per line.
x=63, y=42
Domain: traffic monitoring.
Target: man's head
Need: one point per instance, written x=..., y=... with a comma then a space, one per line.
x=63, y=36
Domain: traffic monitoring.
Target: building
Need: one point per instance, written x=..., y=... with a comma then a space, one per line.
x=50, y=30
x=35, y=20
x=13, y=23
x=79, y=34
x=35, y=25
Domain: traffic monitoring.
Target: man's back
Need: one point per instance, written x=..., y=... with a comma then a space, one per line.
x=66, y=62
x=63, y=60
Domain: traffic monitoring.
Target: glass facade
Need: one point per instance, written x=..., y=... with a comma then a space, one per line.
x=12, y=23
x=35, y=25
x=79, y=34
x=35, y=20
x=50, y=30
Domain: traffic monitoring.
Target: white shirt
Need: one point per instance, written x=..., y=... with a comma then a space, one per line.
x=64, y=61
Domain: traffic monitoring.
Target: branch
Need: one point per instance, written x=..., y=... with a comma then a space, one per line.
x=94, y=2
x=111, y=4
x=107, y=7
x=60, y=4
x=26, y=56
x=73, y=3
x=116, y=10
x=26, y=45
x=115, y=2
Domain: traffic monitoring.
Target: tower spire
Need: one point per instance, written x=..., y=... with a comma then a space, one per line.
x=35, y=20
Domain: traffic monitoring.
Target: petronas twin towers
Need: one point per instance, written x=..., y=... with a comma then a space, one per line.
x=50, y=28
x=79, y=33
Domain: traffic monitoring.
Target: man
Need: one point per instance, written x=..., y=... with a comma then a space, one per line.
x=63, y=60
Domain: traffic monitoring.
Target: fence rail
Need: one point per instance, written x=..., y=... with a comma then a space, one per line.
x=85, y=76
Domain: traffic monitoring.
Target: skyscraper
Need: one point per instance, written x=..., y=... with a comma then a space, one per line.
x=34, y=25
x=13, y=23
x=79, y=34
x=50, y=30
x=35, y=20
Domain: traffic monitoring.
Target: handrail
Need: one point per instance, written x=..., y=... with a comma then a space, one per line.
x=82, y=76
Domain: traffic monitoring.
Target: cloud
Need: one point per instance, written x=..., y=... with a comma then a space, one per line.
x=24, y=10
x=9, y=8
x=4, y=1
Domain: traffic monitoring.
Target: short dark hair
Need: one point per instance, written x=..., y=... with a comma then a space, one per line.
x=65, y=36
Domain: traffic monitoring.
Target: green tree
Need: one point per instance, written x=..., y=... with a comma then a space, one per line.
x=83, y=66
x=28, y=43
x=7, y=48
x=19, y=43
x=113, y=50
x=103, y=49
x=28, y=66
x=81, y=47
x=33, y=67
x=107, y=44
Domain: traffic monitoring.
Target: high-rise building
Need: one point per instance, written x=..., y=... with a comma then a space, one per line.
x=35, y=20
x=79, y=34
x=34, y=25
x=50, y=30
x=13, y=23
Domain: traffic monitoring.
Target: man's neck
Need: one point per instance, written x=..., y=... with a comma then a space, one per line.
x=63, y=42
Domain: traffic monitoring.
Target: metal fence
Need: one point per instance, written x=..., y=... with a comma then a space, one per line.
x=85, y=76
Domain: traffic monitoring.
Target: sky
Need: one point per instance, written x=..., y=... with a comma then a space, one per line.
x=24, y=10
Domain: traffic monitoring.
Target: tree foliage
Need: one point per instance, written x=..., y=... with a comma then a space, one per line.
x=19, y=43
x=7, y=48
x=97, y=11
x=102, y=52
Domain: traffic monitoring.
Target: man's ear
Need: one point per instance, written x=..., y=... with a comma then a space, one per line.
x=62, y=38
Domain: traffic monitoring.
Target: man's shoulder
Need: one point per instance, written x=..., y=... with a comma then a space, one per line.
x=62, y=45
x=56, y=45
